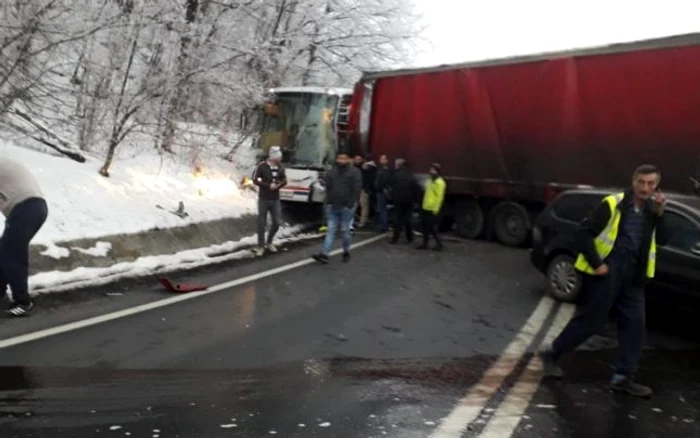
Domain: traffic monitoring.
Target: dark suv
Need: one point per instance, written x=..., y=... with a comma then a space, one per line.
x=677, y=278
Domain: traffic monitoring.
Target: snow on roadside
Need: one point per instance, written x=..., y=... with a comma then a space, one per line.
x=83, y=204
x=58, y=281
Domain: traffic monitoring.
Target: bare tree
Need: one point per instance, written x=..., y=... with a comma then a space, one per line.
x=92, y=73
x=133, y=91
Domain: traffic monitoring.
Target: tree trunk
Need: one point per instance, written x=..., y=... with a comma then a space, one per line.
x=113, y=143
x=176, y=101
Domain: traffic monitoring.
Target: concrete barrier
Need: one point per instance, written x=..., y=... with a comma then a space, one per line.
x=129, y=247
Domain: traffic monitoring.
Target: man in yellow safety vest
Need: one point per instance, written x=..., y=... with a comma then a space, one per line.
x=618, y=254
x=433, y=198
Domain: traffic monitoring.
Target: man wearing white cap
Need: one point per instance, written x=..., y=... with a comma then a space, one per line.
x=269, y=176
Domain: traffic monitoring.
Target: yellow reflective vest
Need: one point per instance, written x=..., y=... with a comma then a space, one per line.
x=434, y=194
x=605, y=241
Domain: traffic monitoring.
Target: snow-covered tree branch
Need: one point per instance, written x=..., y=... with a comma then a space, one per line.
x=90, y=74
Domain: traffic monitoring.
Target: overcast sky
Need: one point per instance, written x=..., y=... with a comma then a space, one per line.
x=466, y=30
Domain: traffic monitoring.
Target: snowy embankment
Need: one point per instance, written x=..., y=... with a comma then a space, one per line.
x=58, y=281
x=84, y=204
x=142, y=193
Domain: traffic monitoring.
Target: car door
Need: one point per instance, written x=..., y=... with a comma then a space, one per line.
x=677, y=278
x=567, y=214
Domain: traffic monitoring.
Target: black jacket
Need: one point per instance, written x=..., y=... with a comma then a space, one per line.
x=343, y=186
x=264, y=175
x=406, y=189
x=598, y=219
x=369, y=176
x=384, y=179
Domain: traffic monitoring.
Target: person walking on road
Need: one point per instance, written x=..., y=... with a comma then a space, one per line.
x=433, y=198
x=24, y=207
x=369, y=175
x=406, y=191
x=343, y=186
x=269, y=176
x=618, y=254
x=383, y=183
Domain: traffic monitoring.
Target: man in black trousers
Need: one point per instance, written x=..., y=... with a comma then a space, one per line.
x=618, y=255
x=25, y=210
x=406, y=192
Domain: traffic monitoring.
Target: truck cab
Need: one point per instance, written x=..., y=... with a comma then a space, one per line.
x=309, y=124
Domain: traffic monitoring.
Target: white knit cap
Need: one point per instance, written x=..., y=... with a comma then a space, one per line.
x=275, y=152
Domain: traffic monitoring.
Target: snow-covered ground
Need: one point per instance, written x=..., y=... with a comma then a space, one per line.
x=57, y=281
x=83, y=203
x=140, y=194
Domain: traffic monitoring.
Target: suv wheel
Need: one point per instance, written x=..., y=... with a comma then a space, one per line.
x=563, y=281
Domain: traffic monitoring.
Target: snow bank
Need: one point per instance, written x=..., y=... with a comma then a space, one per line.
x=83, y=204
x=57, y=281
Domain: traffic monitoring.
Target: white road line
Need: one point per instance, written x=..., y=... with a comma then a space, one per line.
x=30, y=337
x=469, y=407
x=509, y=413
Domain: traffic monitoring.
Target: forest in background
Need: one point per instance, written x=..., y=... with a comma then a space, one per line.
x=81, y=76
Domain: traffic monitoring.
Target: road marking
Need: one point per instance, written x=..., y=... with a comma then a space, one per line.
x=469, y=407
x=30, y=337
x=509, y=413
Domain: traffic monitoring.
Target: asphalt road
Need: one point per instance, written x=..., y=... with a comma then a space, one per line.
x=386, y=345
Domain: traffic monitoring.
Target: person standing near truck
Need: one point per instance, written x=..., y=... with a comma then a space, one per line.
x=618, y=254
x=433, y=198
x=382, y=185
x=343, y=185
x=405, y=191
x=25, y=210
x=269, y=176
x=369, y=175
x=358, y=162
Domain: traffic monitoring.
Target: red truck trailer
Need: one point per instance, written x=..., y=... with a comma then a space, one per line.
x=511, y=134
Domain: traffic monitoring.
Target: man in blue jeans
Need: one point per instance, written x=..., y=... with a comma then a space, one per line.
x=343, y=186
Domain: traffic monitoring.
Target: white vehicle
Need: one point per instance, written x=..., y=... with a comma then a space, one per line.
x=310, y=124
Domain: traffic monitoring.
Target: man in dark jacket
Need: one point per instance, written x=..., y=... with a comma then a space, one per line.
x=343, y=185
x=382, y=186
x=369, y=175
x=269, y=176
x=618, y=254
x=405, y=191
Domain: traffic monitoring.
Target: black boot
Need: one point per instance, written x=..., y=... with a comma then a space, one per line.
x=551, y=367
x=629, y=386
x=321, y=258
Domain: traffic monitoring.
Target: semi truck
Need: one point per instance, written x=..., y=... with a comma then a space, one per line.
x=511, y=134
x=310, y=124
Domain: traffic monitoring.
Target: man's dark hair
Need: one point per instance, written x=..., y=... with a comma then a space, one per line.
x=646, y=169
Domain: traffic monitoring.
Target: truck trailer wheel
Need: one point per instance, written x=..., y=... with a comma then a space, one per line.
x=469, y=219
x=563, y=282
x=511, y=223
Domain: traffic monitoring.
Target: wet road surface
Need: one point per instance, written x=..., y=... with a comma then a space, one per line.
x=582, y=406
x=386, y=345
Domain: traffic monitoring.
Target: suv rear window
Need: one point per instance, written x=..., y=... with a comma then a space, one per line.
x=575, y=207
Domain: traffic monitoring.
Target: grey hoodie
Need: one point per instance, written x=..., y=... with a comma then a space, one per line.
x=17, y=184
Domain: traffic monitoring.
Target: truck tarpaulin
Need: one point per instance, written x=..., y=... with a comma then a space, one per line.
x=570, y=120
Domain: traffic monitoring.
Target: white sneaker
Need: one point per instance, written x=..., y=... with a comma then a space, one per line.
x=259, y=251
x=271, y=247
